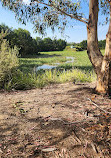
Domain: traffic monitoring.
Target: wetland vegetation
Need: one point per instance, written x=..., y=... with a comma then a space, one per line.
x=63, y=68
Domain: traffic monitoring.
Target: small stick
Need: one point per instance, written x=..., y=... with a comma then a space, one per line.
x=94, y=147
x=76, y=122
x=69, y=123
x=98, y=106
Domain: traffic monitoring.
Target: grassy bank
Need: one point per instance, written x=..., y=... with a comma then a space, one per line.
x=26, y=77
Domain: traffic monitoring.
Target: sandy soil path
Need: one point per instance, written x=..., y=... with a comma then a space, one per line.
x=53, y=122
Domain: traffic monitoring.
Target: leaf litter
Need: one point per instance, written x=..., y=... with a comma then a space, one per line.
x=64, y=120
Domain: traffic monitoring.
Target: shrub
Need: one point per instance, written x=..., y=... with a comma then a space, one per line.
x=8, y=62
x=22, y=81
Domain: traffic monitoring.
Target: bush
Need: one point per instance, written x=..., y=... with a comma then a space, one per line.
x=10, y=76
x=8, y=62
x=21, y=81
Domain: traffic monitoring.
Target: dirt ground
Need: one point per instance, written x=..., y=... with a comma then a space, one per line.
x=58, y=121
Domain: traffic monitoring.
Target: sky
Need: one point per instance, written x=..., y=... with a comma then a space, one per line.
x=76, y=34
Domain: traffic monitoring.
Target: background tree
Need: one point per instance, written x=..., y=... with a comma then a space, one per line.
x=83, y=44
x=56, y=13
x=9, y=34
x=2, y=36
x=8, y=62
x=61, y=44
x=48, y=44
x=102, y=44
x=23, y=40
x=40, y=44
x=55, y=45
x=28, y=45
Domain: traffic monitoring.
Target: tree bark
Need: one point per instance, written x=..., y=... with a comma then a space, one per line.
x=102, y=65
x=106, y=64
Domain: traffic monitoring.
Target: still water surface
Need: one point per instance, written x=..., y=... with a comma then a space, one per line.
x=45, y=66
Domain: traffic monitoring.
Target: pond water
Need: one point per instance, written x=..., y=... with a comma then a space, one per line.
x=69, y=59
x=45, y=66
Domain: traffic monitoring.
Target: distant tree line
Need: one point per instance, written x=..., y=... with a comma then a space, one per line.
x=102, y=44
x=28, y=45
x=83, y=44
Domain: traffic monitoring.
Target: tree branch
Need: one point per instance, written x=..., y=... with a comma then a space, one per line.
x=84, y=20
x=99, y=107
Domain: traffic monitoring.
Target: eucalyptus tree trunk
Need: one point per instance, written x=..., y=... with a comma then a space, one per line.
x=102, y=65
x=106, y=64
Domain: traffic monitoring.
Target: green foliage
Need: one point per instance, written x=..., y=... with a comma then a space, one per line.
x=44, y=14
x=8, y=62
x=3, y=34
x=83, y=44
x=21, y=38
x=40, y=44
x=24, y=41
x=48, y=44
x=27, y=45
x=22, y=81
x=53, y=45
x=52, y=14
x=58, y=76
x=9, y=34
x=102, y=44
x=61, y=44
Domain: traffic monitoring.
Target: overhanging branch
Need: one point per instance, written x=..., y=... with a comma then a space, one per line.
x=79, y=18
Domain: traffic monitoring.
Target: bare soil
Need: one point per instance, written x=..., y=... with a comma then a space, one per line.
x=58, y=121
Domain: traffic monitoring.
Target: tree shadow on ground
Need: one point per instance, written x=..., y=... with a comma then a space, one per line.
x=56, y=132
x=83, y=89
x=53, y=132
x=61, y=131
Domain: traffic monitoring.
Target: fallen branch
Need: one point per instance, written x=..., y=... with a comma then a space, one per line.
x=98, y=106
x=76, y=122
x=69, y=123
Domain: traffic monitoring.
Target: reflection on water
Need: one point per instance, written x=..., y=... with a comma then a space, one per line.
x=45, y=66
x=69, y=61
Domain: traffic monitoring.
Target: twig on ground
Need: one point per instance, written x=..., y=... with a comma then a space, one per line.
x=94, y=147
x=99, y=107
x=77, y=138
x=69, y=123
